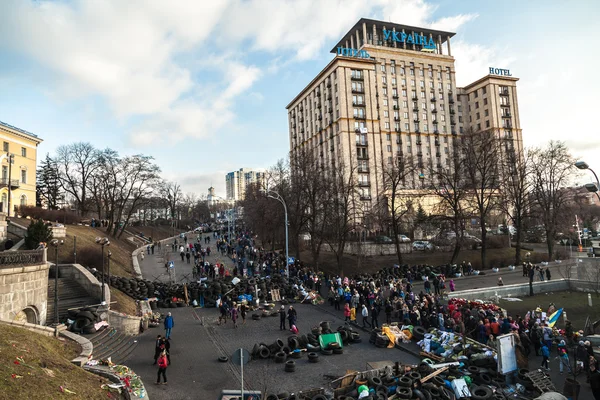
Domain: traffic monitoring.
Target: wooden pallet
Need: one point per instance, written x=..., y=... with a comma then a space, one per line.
x=275, y=295
x=432, y=356
x=541, y=381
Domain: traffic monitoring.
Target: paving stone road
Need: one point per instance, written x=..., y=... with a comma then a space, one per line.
x=197, y=342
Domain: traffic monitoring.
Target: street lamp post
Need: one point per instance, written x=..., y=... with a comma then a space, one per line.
x=109, y=255
x=591, y=187
x=102, y=241
x=55, y=243
x=11, y=160
x=277, y=196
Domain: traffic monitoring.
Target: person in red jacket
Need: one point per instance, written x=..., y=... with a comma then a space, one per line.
x=163, y=363
x=347, y=312
x=495, y=326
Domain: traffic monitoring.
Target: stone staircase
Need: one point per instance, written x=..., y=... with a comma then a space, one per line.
x=70, y=295
x=111, y=343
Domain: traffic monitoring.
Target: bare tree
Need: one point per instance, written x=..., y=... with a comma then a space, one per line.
x=516, y=193
x=77, y=162
x=449, y=186
x=482, y=171
x=551, y=170
x=395, y=177
x=171, y=193
x=342, y=213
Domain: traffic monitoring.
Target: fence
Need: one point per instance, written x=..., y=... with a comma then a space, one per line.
x=22, y=258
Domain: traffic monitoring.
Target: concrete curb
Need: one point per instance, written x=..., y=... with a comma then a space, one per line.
x=105, y=372
x=87, y=348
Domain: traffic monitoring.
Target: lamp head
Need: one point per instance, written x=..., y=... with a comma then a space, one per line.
x=591, y=187
x=582, y=165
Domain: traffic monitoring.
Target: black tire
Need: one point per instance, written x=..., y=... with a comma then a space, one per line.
x=473, y=369
x=223, y=359
x=483, y=379
x=255, y=350
x=375, y=381
x=481, y=393
x=283, y=395
x=338, y=350
x=88, y=330
x=403, y=392
x=272, y=397
x=421, y=394
x=414, y=375
x=264, y=352
x=419, y=333
x=293, y=342
x=320, y=397
x=327, y=352
x=86, y=314
x=405, y=381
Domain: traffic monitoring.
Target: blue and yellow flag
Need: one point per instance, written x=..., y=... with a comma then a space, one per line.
x=554, y=317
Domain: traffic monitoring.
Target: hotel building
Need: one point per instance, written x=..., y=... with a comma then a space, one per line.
x=391, y=91
x=18, y=159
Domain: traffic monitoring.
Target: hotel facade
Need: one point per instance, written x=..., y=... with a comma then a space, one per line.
x=391, y=91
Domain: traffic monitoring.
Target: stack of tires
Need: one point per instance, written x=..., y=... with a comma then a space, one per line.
x=84, y=320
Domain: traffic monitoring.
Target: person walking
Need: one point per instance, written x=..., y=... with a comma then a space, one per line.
x=347, y=312
x=163, y=363
x=292, y=317
x=243, y=312
x=282, y=318
x=546, y=356
x=563, y=357
x=157, y=348
x=365, y=316
x=374, y=315
x=234, y=315
x=548, y=274
x=595, y=381
x=166, y=346
x=187, y=257
x=169, y=324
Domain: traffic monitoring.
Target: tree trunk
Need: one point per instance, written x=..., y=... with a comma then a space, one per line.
x=550, y=244
x=518, y=244
x=483, y=245
x=397, y=242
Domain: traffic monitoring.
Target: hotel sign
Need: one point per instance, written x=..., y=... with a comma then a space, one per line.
x=345, y=51
x=413, y=38
x=498, y=71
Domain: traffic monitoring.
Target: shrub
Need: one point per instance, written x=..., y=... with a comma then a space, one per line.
x=37, y=232
x=62, y=216
x=497, y=242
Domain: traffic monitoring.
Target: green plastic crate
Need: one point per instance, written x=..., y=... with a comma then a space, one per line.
x=327, y=338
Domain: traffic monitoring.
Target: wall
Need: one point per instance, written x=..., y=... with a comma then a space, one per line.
x=16, y=229
x=519, y=290
x=81, y=275
x=124, y=323
x=24, y=287
x=59, y=232
x=3, y=226
x=373, y=249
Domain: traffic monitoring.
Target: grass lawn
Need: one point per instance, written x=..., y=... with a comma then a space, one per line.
x=575, y=304
x=45, y=368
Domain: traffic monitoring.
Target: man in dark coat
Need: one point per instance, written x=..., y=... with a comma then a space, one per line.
x=282, y=318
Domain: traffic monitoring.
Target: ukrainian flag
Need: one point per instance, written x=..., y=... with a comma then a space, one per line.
x=554, y=317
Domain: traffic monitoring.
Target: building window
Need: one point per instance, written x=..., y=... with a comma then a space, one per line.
x=403, y=92
x=387, y=125
x=356, y=74
x=425, y=128
x=406, y=127
x=476, y=104
x=405, y=115
x=23, y=152
x=389, y=148
x=477, y=115
x=386, y=114
x=23, y=200
x=483, y=90
x=385, y=102
x=421, y=72
x=486, y=113
x=422, y=83
x=394, y=81
x=402, y=72
x=23, y=176
x=485, y=102
x=413, y=82
x=405, y=104
x=478, y=127
x=487, y=124
x=384, y=80
x=5, y=146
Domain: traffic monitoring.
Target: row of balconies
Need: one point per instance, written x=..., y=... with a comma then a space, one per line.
x=14, y=183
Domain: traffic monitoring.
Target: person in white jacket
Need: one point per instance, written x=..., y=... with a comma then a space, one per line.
x=365, y=316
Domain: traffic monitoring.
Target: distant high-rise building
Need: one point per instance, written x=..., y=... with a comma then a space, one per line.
x=237, y=181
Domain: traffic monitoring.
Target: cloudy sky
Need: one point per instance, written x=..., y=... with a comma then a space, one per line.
x=202, y=85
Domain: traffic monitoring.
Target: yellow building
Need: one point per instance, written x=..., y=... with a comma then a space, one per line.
x=17, y=183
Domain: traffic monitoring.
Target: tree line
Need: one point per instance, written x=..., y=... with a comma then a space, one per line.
x=105, y=185
x=486, y=179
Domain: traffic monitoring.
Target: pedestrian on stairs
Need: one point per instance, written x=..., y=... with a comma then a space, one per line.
x=169, y=324
x=162, y=367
